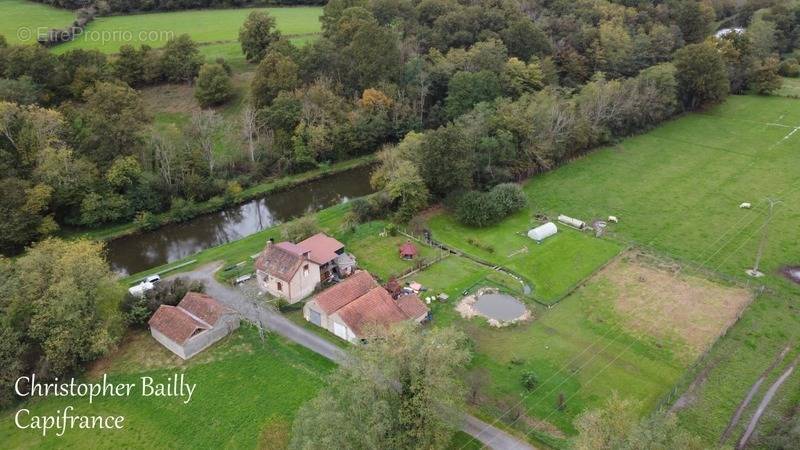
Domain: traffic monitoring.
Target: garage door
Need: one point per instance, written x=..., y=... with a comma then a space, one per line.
x=316, y=319
x=340, y=330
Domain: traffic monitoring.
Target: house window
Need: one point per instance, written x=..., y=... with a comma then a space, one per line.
x=280, y=286
x=305, y=270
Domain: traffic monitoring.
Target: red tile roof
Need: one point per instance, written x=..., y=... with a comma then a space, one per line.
x=280, y=260
x=408, y=249
x=339, y=295
x=175, y=323
x=412, y=306
x=203, y=306
x=376, y=307
x=323, y=248
x=195, y=313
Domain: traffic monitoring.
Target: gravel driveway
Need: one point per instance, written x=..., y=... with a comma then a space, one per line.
x=266, y=317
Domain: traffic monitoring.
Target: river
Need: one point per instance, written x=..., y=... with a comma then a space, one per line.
x=137, y=252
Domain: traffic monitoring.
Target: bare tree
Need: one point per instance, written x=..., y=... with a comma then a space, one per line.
x=203, y=130
x=164, y=154
x=250, y=130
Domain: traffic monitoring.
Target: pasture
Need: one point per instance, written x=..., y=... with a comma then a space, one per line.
x=217, y=27
x=554, y=267
x=676, y=191
x=247, y=391
x=591, y=344
x=17, y=17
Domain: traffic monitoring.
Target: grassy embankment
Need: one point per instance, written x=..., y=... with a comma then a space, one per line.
x=20, y=20
x=676, y=191
x=217, y=30
x=259, y=190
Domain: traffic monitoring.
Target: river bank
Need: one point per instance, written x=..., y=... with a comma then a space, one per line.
x=114, y=231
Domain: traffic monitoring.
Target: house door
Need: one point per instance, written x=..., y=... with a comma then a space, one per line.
x=315, y=318
x=340, y=330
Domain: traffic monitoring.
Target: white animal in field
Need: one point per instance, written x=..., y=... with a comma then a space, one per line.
x=745, y=205
x=613, y=219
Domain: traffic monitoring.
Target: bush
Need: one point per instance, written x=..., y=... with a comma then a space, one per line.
x=477, y=209
x=138, y=310
x=146, y=220
x=213, y=86
x=529, y=380
x=299, y=229
x=789, y=68
x=509, y=198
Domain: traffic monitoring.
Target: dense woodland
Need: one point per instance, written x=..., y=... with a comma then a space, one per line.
x=459, y=98
x=128, y=6
x=474, y=94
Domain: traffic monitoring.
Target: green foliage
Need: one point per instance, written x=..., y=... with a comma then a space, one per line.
x=22, y=91
x=477, y=209
x=275, y=73
x=109, y=124
x=258, y=32
x=617, y=426
x=509, y=198
x=300, y=229
x=702, y=79
x=98, y=208
x=529, y=380
x=55, y=301
x=180, y=59
x=765, y=78
x=394, y=392
x=24, y=208
x=213, y=86
x=137, y=310
x=466, y=89
x=524, y=39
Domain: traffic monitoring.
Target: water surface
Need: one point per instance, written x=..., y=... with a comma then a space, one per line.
x=138, y=252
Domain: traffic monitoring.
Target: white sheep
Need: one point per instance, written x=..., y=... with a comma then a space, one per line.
x=745, y=205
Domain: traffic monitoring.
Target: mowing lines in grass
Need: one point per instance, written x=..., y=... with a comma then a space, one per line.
x=619, y=327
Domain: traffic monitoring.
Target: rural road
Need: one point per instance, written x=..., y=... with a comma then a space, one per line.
x=489, y=435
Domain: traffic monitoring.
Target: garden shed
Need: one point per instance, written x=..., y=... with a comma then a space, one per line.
x=543, y=232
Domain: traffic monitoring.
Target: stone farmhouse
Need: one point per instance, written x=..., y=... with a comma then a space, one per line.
x=189, y=328
x=294, y=271
x=349, y=307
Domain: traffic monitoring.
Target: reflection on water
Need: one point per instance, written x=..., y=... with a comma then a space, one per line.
x=131, y=254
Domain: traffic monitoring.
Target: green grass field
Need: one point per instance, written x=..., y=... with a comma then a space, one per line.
x=554, y=267
x=217, y=27
x=247, y=391
x=20, y=20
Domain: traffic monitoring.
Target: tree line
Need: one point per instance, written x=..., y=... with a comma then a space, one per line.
x=106, y=7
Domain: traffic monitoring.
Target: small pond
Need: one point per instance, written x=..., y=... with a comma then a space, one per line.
x=499, y=306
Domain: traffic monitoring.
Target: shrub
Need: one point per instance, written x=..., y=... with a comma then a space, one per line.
x=213, y=86
x=146, y=220
x=789, y=68
x=299, y=229
x=480, y=244
x=477, y=209
x=138, y=310
x=529, y=380
x=509, y=198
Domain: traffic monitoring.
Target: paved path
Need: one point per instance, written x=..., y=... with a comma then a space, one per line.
x=489, y=435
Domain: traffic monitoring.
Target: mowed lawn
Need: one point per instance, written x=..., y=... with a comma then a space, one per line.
x=554, y=267
x=220, y=27
x=20, y=19
x=678, y=187
x=248, y=392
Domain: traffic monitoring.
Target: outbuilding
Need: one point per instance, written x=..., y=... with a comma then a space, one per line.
x=543, y=232
x=408, y=250
x=197, y=322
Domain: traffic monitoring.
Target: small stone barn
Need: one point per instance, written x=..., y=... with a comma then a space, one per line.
x=189, y=328
x=348, y=308
x=408, y=250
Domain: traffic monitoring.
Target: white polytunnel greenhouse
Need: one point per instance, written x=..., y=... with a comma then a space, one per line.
x=543, y=232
